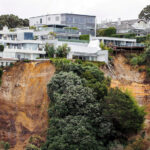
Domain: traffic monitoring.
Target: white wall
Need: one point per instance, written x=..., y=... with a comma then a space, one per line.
x=46, y=20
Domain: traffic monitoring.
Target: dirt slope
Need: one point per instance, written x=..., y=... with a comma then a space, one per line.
x=126, y=77
x=24, y=102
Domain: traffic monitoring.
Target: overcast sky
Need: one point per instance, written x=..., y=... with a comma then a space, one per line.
x=103, y=9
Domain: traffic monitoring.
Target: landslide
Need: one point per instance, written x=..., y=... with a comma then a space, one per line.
x=128, y=78
x=24, y=102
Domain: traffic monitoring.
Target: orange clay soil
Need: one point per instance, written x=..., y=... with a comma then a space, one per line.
x=24, y=102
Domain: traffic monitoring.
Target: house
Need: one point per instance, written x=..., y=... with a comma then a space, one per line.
x=18, y=45
x=120, y=43
x=45, y=33
x=85, y=23
x=137, y=26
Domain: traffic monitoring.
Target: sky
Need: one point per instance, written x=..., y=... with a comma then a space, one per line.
x=103, y=9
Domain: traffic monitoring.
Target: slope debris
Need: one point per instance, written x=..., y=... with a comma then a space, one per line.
x=24, y=102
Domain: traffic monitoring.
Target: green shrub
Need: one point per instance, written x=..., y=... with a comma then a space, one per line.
x=50, y=50
x=62, y=51
x=1, y=48
x=32, y=147
x=140, y=39
x=126, y=115
x=106, y=32
x=4, y=145
x=84, y=37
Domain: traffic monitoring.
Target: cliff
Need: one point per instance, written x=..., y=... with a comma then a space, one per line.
x=24, y=102
x=128, y=78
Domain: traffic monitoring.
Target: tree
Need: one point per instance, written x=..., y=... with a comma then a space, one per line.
x=124, y=112
x=50, y=50
x=62, y=51
x=12, y=21
x=145, y=13
x=106, y=32
x=1, y=48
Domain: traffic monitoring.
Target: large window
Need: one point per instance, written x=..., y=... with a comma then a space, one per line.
x=28, y=36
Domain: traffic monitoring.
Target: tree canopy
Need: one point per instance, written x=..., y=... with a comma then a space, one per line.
x=106, y=32
x=145, y=13
x=12, y=21
x=84, y=113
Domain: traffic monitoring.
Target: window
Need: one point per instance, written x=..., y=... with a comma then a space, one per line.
x=41, y=20
x=57, y=18
x=28, y=36
x=49, y=18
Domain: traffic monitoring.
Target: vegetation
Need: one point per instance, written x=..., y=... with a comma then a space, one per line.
x=106, y=32
x=84, y=37
x=124, y=35
x=145, y=13
x=1, y=48
x=12, y=21
x=71, y=28
x=4, y=145
x=50, y=50
x=62, y=51
x=84, y=113
x=32, y=27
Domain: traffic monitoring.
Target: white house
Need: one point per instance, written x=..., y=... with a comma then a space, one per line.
x=90, y=52
x=19, y=44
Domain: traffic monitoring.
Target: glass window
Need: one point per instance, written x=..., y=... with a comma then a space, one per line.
x=28, y=36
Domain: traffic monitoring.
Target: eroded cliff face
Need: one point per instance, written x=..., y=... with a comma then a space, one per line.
x=24, y=102
x=128, y=78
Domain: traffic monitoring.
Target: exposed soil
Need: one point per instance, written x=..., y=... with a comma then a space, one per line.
x=24, y=102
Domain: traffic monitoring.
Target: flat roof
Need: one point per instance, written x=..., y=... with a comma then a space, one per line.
x=113, y=38
x=64, y=14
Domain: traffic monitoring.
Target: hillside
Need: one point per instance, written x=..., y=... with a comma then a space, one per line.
x=128, y=78
x=24, y=102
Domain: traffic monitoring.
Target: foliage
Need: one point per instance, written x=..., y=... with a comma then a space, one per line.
x=124, y=35
x=129, y=117
x=145, y=13
x=32, y=27
x=84, y=37
x=140, y=39
x=4, y=145
x=71, y=28
x=83, y=115
x=32, y=147
x=106, y=32
x=1, y=48
x=53, y=34
x=50, y=50
x=62, y=51
x=12, y=21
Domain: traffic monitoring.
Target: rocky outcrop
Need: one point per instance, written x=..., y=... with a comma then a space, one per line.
x=24, y=102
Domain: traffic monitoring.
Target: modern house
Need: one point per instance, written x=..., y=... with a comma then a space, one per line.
x=18, y=45
x=85, y=23
x=120, y=43
x=45, y=33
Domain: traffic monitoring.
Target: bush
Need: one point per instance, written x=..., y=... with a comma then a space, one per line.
x=125, y=35
x=62, y=51
x=84, y=37
x=50, y=50
x=123, y=110
x=1, y=73
x=1, y=48
x=106, y=32
x=4, y=145
x=83, y=115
